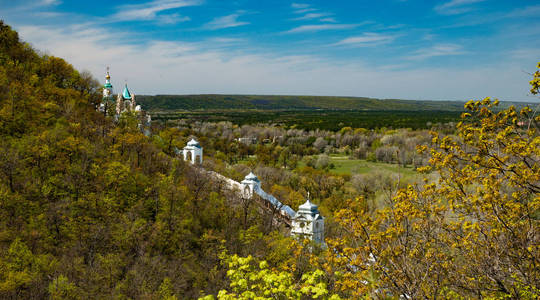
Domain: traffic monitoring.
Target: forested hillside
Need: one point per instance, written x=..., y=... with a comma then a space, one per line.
x=271, y=102
x=90, y=209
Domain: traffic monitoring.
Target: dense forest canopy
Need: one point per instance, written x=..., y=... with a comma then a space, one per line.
x=91, y=208
x=332, y=120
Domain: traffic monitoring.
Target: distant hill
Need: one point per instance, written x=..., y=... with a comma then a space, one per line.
x=264, y=102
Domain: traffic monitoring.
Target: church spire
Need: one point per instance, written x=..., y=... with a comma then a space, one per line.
x=107, y=87
x=126, y=94
x=108, y=84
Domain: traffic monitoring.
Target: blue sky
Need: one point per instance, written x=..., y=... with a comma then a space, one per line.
x=408, y=49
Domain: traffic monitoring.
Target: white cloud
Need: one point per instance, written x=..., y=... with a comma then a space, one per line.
x=366, y=40
x=299, y=5
x=172, y=19
x=528, y=11
x=227, y=40
x=48, y=14
x=305, y=10
x=150, y=10
x=310, y=13
x=178, y=67
x=455, y=7
x=330, y=20
x=225, y=22
x=518, y=13
x=311, y=16
x=28, y=5
x=50, y=2
x=320, y=27
x=437, y=50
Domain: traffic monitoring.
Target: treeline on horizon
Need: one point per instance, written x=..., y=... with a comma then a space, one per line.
x=306, y=112
x=284, y=102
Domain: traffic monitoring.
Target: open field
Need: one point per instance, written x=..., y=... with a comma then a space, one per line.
x=344, y=165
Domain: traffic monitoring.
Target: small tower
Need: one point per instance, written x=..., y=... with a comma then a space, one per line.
x=250, y=183
x=107, y=101
x=308, y=223
x=107, y=87
x=126, y=97
x=194, y=150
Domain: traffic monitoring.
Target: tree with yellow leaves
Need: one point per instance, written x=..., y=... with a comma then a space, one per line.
x=472, y=233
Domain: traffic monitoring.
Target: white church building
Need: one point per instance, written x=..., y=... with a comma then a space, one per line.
x=125, y=103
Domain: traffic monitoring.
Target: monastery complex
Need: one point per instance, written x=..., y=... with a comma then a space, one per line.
x=304, y=223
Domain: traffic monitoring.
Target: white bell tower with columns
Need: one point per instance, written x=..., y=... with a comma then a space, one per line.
x=308, y=223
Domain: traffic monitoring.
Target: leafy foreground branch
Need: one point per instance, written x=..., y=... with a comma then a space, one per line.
x=257, y=281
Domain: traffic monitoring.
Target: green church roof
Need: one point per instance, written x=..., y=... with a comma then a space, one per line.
x=108, y=85
x=126, y=94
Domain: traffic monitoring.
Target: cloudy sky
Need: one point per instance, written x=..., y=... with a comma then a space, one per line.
x=408, y=49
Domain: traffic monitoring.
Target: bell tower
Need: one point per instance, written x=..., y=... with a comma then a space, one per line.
x=107, y=101
x=308, y=223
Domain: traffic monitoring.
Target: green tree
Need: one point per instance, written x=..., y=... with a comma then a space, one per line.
x=250, y=280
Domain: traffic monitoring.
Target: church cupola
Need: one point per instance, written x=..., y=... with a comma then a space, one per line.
x=126, y=94
x=107, y=101
x=126, y=101
x=107, y=87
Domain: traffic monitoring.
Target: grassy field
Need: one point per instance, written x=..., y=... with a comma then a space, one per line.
x=344, y=165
